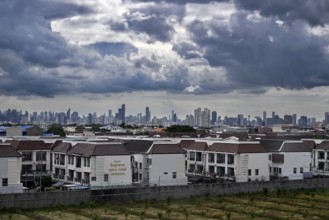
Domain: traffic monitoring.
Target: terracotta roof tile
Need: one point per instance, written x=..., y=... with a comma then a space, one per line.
x=6, y=150
x=186, y=143
x=199, y=146
x=237, y=147
x=30, y=145
x=324, y=145
x=166, y=149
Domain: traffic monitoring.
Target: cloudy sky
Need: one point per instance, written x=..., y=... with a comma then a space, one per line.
x=232, y=56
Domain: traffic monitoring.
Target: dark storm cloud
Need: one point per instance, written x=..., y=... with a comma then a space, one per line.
x=184, y=2
x=156, y=21
x=51, y=9
x=314, y=12
x=119, y=49
x=36, y=61
x=261, y=53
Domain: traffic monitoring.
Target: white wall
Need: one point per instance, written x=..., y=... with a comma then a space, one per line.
x=117, y=167
x=11, y=168
x=162, y=168
x=294, y=160
x=252, y=161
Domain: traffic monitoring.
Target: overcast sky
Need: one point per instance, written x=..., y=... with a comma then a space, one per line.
x=238, y=56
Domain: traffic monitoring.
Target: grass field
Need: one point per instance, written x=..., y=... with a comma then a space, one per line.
x=297, y=204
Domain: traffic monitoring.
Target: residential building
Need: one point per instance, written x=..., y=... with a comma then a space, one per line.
x=35, y=160
x=237, y=160
x=165, y=165
x=321, y=159
x=289, y=159
x=93, y=164
x=10, y=170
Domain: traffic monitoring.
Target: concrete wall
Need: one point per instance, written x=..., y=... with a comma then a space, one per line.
x=49, y=199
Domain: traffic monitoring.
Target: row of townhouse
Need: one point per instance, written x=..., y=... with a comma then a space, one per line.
x=119, y=164
x=263, y=160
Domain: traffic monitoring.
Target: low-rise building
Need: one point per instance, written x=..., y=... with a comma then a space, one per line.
x=92, y=164
x=289, y=159
x=10, y=169
x=35, y=160
x=165, y=165
x=321, y=159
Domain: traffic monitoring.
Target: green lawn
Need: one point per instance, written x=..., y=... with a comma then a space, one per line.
x=297, y=204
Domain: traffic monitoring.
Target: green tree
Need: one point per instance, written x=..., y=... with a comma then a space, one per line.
x=56, y=129
x=180, y=128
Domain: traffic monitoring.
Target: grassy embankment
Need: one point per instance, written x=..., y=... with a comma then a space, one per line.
x=297, y=204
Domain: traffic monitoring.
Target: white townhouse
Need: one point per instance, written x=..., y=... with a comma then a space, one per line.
x=138, y=150
x=196, y=158
x=92, y=164
x=241, y=161
x=10, y=170
x=321, y=159
x=165, y=165
x=290, y=159
x=36, y=156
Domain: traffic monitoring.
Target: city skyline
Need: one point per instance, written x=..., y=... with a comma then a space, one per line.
x=231, y=56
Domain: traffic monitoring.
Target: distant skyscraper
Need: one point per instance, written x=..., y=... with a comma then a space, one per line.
x=202, y=118
x=326, y=118
x=294, y=119
x=68, y=116
x=123, y=116
x=240, y=120
x=213, y=117
x=264, y=118
x=303, y=121
x=147, y=115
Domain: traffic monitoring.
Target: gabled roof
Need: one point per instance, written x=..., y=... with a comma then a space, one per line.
x=137, y=146
x=310, y=144
x=324, y=145
x=98, y=149
x=237, y=147
x=30, y=145
x=199, y=146
x=295, y=147
x=186, y=143
x=62, y=147
x=166, y=149
x=271, y=145
x=55, y=144
x=6, y=150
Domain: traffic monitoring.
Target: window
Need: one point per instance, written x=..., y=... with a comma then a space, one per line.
x=165, y=173
x=270, y=169
x=41, y=156
x=279, y=170
x=62, y=159
x=230, y=171
x=321, y=155
x=191, y=168
x=220, y=158
x=211, y=157
x=198, y=156
x=249, y=172
x=140, y=176
x=321, y=165
x=270, y=157
x=41, y=168
x=93, y=178
x=256, y=172
x=71, y=160
x=5, y=182
x=174, y=175
x=230, y=159
x=192, y=155
x=26, y=168
x=140, y=165
x=149, y=161
x=78, y=162
x=86, y=162
x=301, y=170
x=295, y=170
x=27, y=156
